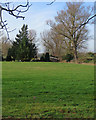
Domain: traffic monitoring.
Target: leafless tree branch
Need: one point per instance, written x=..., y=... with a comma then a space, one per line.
x=51, y=2
x=14, y=11
x=17, y=9
x=84, y=23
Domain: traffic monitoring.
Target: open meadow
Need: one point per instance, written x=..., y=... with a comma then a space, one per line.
x=47, y=90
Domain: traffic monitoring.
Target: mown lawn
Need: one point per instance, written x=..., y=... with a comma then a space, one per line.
x=47, y=90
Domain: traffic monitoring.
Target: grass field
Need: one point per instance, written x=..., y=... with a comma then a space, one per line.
x=47, y=90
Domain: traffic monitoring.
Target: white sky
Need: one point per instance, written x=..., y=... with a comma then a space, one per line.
x=36, y=18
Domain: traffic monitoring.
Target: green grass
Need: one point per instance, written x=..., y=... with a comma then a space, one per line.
x=47, y=90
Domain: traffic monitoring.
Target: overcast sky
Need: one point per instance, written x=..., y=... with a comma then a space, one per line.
x=36, y=18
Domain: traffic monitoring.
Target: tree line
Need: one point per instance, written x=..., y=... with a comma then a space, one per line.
x=23, y=48
x=63, y=38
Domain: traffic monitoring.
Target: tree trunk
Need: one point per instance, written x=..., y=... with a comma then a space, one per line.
x=75, y=55
x=60, y=58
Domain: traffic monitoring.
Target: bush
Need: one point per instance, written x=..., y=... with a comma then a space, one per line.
x=42, y=58
x=89, y=59
x=68, y=57
x=8, y=58
x=47, y=58
x=91, y=54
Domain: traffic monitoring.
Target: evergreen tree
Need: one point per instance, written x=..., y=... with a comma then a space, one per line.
x=47, y=57
x=22, y=48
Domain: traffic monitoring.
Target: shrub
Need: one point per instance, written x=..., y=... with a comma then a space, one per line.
x=88, y=59
x=42, y=58
x=68, y=57
x=8, y=58
x=47, y=57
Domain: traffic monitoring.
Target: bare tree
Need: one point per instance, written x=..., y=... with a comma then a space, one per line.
x=86, y=22
x=32, y=35
x=67, y=23
x=47, y=42
x=53, y=42
x=4, y=45
x=13, y=10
